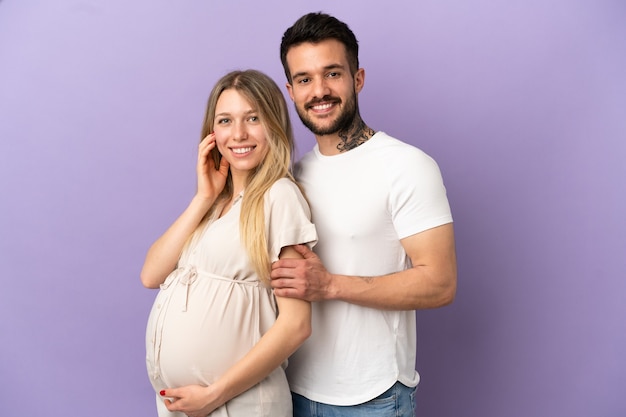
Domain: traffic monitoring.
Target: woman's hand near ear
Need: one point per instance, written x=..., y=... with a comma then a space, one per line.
x=211, y=181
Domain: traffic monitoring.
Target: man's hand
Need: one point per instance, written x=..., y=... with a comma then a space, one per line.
x=306, y=279
x=193, y=400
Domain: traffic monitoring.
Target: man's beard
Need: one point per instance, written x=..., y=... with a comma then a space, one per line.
x=341, y=124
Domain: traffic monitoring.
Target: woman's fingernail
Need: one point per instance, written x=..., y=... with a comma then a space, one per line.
x=162, y=392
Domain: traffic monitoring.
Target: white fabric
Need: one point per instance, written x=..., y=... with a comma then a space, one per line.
x=363, y=202
x=213, y=309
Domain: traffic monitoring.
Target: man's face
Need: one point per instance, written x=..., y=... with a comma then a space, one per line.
x=323, y=89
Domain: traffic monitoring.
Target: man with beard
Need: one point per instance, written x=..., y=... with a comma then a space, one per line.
x=386, y=242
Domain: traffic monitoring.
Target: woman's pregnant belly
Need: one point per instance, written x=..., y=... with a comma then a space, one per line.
x=196, y=332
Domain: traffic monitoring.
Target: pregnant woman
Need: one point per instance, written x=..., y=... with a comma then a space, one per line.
x=217, y=338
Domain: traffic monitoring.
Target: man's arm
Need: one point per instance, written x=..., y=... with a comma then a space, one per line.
x=430, y=283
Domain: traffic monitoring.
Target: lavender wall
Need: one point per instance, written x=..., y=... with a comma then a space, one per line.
x=523, y=103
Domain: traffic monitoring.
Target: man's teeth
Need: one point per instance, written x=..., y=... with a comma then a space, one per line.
x=322, y=106
x=241, y=150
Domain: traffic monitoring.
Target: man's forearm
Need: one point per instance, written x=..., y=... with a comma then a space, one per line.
x=412, y=289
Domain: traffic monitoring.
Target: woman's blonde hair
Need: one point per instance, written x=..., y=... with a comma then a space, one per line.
x=269, y=103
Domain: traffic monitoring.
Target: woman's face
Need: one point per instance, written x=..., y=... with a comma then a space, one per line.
x=239, y=133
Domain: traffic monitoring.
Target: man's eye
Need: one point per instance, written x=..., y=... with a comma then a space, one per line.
x=333, y=74
x=303, y=80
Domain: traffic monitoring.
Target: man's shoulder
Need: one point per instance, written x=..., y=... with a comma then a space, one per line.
x=400, y=150
x=309, y=155
x=306, y=160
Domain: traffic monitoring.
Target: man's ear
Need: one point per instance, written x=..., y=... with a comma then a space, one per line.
x=359, y=80
x=290, y=90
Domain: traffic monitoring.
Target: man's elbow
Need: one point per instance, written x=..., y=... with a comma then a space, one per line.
x=443, y=290
x=447, y=296
x=448, y=291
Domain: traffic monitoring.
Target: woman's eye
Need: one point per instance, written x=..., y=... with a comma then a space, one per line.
x=223, y=121
x=253, y=118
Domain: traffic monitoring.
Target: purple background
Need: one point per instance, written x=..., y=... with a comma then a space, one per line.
x=522, y=103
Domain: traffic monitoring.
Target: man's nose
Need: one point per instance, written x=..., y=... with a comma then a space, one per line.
x=320, y=88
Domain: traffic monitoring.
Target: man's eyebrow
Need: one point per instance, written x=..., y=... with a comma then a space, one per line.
x=326, y=68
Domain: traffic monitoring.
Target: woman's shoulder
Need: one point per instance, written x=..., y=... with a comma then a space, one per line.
x=284, y=188
x=283, y=184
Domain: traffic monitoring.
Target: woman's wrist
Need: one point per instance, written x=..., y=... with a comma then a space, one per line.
x=202, y=202
x=215, y=395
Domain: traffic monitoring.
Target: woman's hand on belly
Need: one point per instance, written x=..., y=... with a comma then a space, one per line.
x=192, y=400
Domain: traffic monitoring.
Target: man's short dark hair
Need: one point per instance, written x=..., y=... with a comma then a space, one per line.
x=315, y=28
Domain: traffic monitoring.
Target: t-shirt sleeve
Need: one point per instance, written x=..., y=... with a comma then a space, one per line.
x=418, y=198
x=288, y=218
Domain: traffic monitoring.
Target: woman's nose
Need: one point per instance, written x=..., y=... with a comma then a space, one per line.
x=240, y=131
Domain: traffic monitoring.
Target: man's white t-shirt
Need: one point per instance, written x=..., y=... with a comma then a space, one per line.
x=363, y=202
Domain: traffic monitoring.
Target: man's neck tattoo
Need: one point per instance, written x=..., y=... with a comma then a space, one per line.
x=357, y=134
